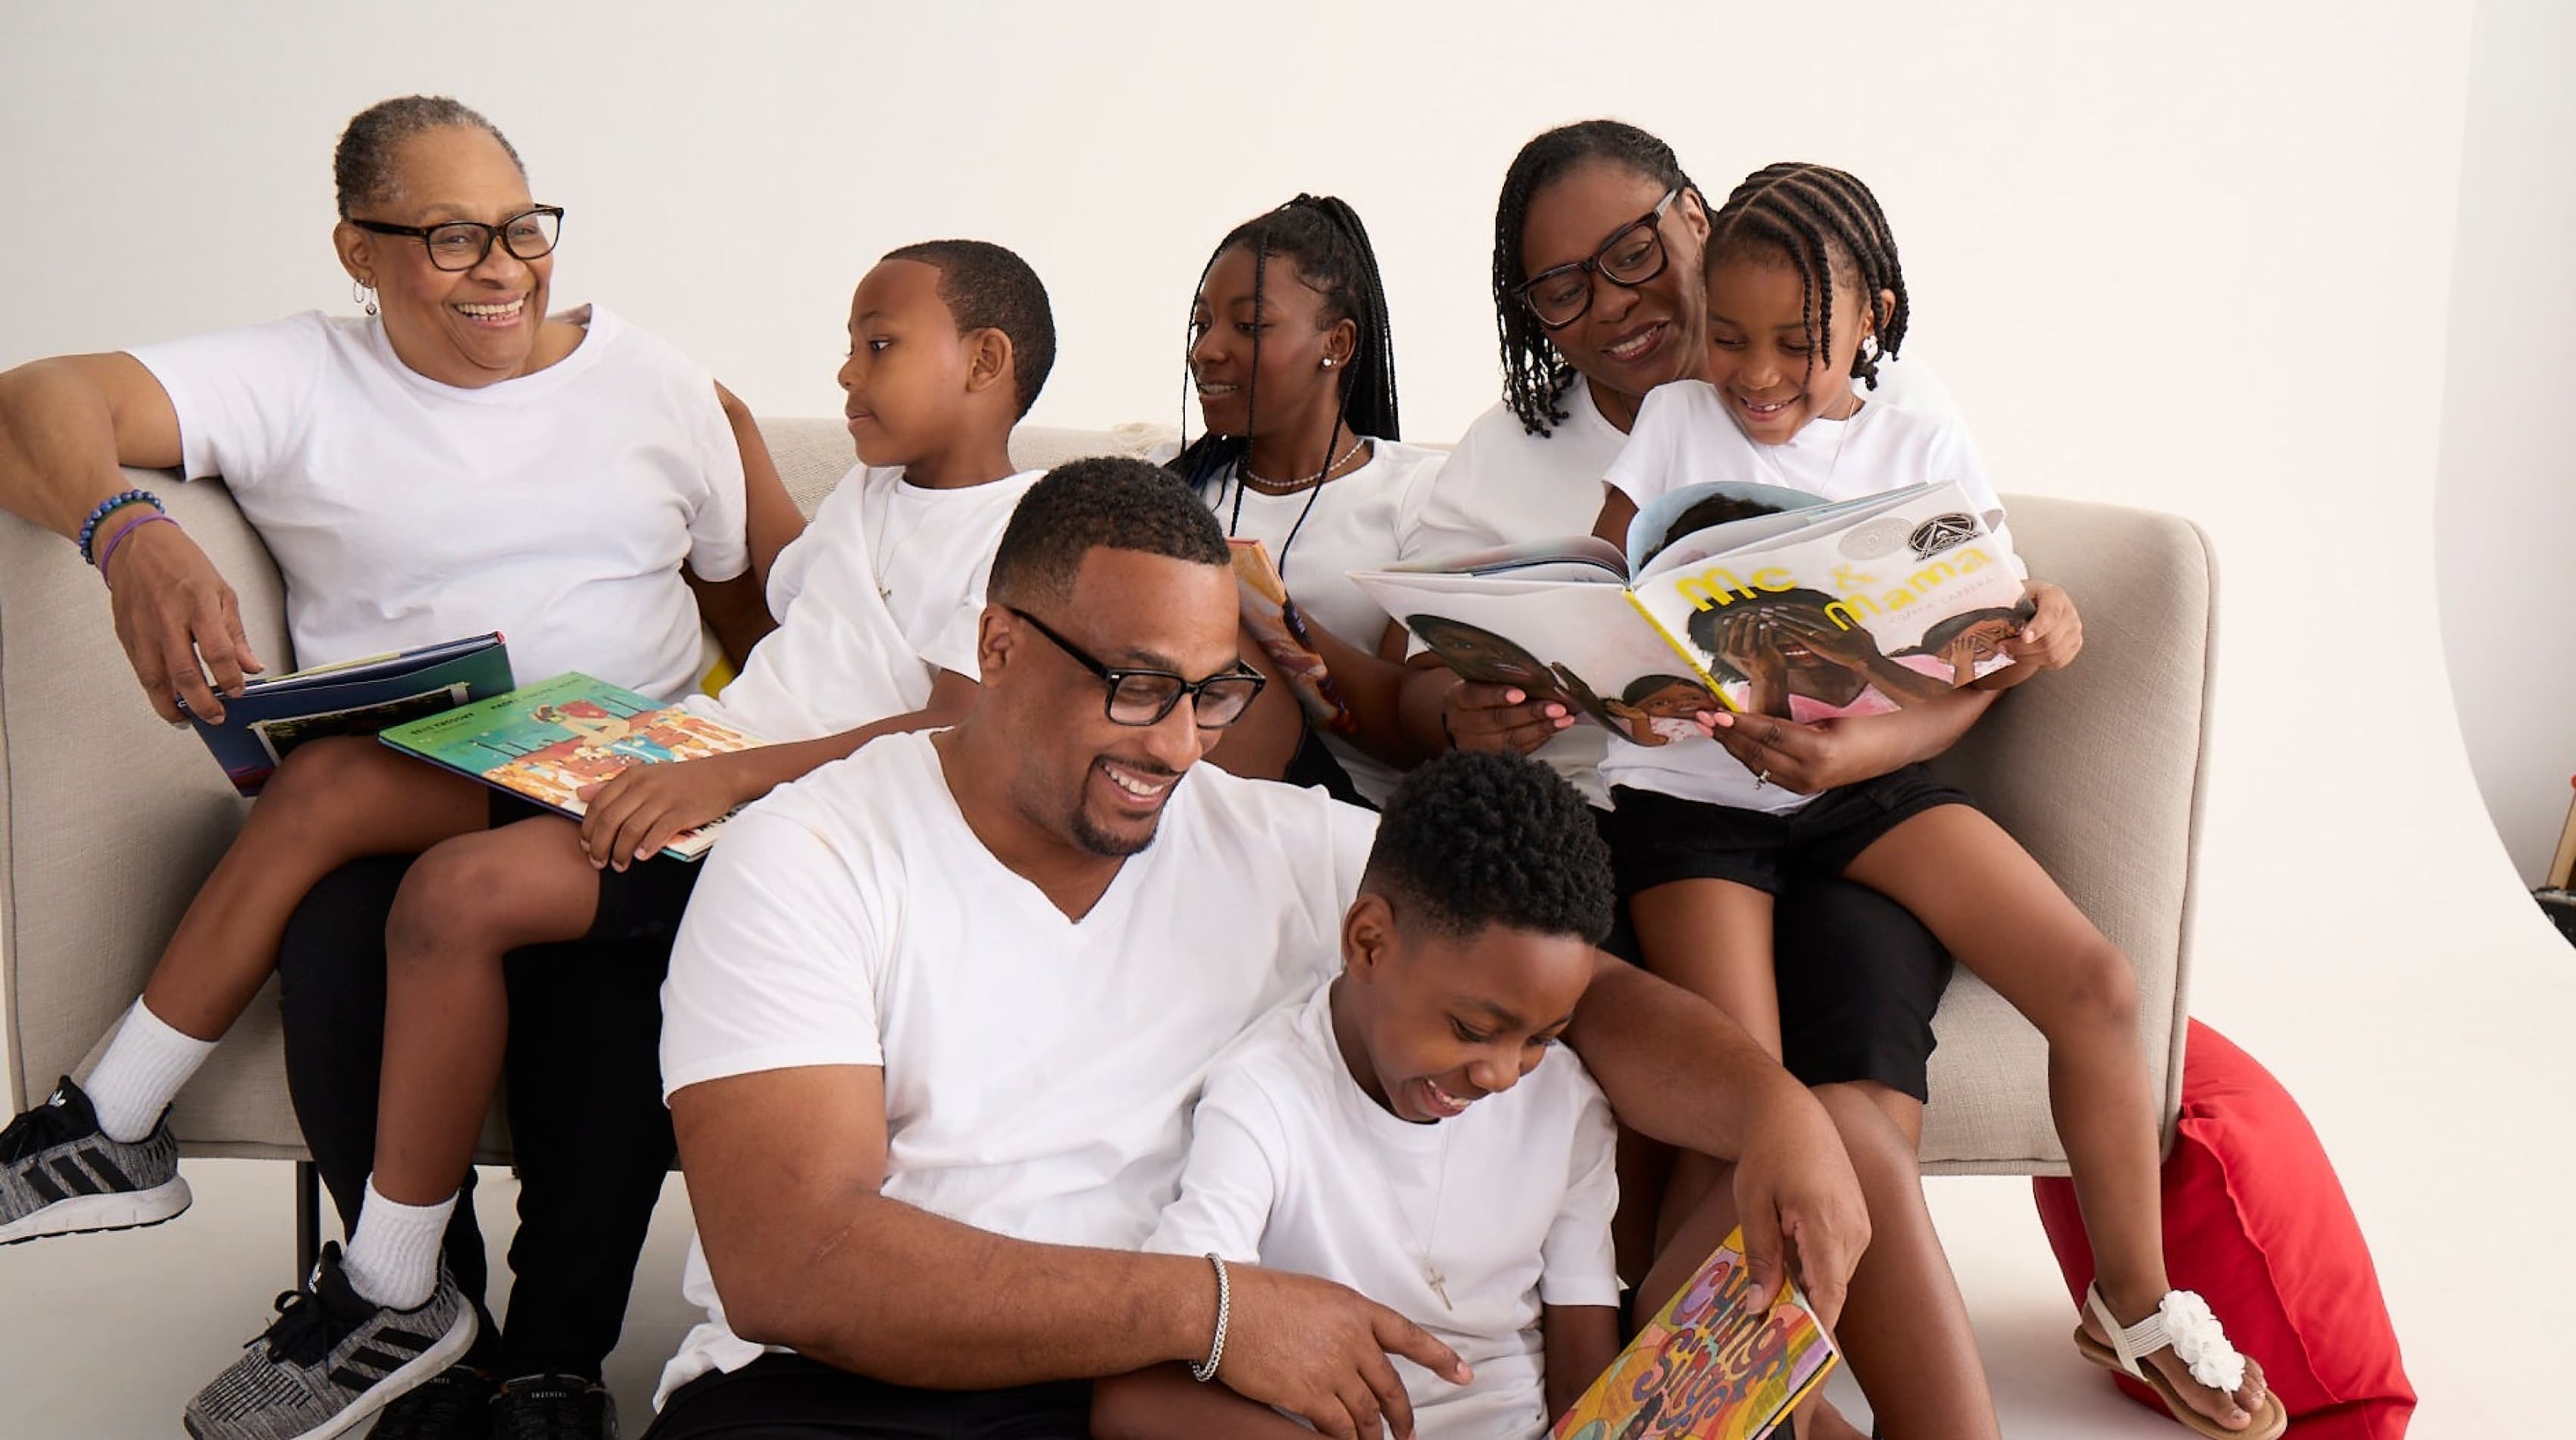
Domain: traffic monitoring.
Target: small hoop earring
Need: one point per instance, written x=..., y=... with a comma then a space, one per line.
x=364, y=294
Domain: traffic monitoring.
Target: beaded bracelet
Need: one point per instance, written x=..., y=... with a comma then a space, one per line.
x=115, y=502
x=107, y=551
x=1224, y=1312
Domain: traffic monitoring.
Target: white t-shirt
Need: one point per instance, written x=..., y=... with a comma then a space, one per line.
x=1504, y=485
x=1685, y=436
x=881, y=592
x=1366, y=520
x=555, y=508
x=1293, y=1166
x=1038, y=1070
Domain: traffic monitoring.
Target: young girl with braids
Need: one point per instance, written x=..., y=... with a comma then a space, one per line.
x=1857, y=978
x=1293, y=368
x=1804, y=295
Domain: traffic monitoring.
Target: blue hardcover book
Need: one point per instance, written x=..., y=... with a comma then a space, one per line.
x=354, y=697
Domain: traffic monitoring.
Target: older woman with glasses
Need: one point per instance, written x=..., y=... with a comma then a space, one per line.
x=452, y=463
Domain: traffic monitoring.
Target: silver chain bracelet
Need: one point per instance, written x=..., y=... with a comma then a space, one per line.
x=1224, y=1313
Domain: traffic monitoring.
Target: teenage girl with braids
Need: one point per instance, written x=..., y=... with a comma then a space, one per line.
x=1858, y=978
x=1804, y=296
x=1293, y=368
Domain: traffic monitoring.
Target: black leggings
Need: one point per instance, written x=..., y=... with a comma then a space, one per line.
x=788, y=1397
x=583, y=1078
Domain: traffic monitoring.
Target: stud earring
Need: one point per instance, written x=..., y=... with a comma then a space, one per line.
x=1328, y=362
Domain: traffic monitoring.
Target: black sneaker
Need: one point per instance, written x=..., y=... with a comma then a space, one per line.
x=553, y=1407
x=456, y=1404
x=61, y=1175
x=331, y=1360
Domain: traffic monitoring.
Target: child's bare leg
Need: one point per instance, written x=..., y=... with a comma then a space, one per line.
x=1986, y=899
x=332, y=802
x=464, y=906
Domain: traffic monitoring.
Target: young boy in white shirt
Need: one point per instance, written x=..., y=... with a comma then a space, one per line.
x=877, y=601
x=1407, y=1130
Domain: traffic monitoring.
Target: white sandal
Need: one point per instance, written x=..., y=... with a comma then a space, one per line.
x=2182, y=1320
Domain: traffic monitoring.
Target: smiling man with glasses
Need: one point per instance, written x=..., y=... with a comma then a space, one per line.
x=938, y=1013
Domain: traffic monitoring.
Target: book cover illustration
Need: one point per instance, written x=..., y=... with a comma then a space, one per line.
x=1707, y=1367
x=1743, y=597
x=276, y=714
x=1275, y=621
x=548, y=742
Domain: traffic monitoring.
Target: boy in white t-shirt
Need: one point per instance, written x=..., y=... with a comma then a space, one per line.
x=1804, y=295
x=949, y=344
x=1410, y=1132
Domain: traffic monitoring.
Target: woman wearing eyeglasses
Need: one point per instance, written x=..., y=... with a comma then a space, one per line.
x=1599, y=296
x=450, y=463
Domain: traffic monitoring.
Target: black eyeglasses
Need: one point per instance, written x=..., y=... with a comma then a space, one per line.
x=1144, y=697
x=1558, y=296
x=463, y=244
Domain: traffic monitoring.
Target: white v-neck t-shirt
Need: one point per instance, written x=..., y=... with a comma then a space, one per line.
x=882, y=591
x=1294, y=1167
x=1038, y=1070
x=556, y=507
x=1366, y=520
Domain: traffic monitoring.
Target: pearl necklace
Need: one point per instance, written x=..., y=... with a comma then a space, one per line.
x=1267, y=486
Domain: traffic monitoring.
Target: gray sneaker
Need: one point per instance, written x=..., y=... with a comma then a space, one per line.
x=60, y=1174
x=331, y=1360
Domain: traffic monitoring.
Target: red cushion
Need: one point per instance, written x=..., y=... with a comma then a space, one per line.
x=2257, y=1223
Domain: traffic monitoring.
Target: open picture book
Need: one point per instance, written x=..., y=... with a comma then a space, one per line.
x=275, y=714
x=548, y=742
x=1708, y=1366
x=1748, y=597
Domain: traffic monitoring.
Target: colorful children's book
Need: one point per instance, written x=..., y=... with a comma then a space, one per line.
x=354, y=697
x=1706, y=1367
x=1274, y=620
x=1750, y=597
x=551, y=741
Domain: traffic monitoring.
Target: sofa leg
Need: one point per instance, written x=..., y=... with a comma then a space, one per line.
x=308, y=1219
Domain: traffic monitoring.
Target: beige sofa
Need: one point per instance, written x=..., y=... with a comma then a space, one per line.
x=108, y=819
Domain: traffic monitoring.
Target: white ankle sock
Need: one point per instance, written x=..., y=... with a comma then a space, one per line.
x=143, y=1068
x=393, y=1258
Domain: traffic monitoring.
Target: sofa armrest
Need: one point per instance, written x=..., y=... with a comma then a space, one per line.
x=2099, y=772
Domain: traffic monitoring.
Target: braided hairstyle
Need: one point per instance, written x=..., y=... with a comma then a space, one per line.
x=362, y=165
x=1322, y=236
x=1535, y=373
x=1824, y=222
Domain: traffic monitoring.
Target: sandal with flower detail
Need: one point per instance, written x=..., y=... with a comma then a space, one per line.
x=2182, y=1320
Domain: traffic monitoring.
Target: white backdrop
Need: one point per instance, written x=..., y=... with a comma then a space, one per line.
x=2506, y=517
x=2189, y=256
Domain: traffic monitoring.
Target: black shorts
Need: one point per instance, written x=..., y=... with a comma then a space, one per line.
x=789, y=1397
x=639, y=902
x=1859, y=978
x=1656, y=839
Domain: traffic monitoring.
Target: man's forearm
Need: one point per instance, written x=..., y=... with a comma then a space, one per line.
x=1672, y=1065
x=908, y=1297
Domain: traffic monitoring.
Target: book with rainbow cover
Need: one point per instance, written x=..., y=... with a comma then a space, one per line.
x=1707, y=1368
x=548, y=742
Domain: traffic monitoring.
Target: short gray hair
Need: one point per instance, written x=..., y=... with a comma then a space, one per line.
x=362, y=168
